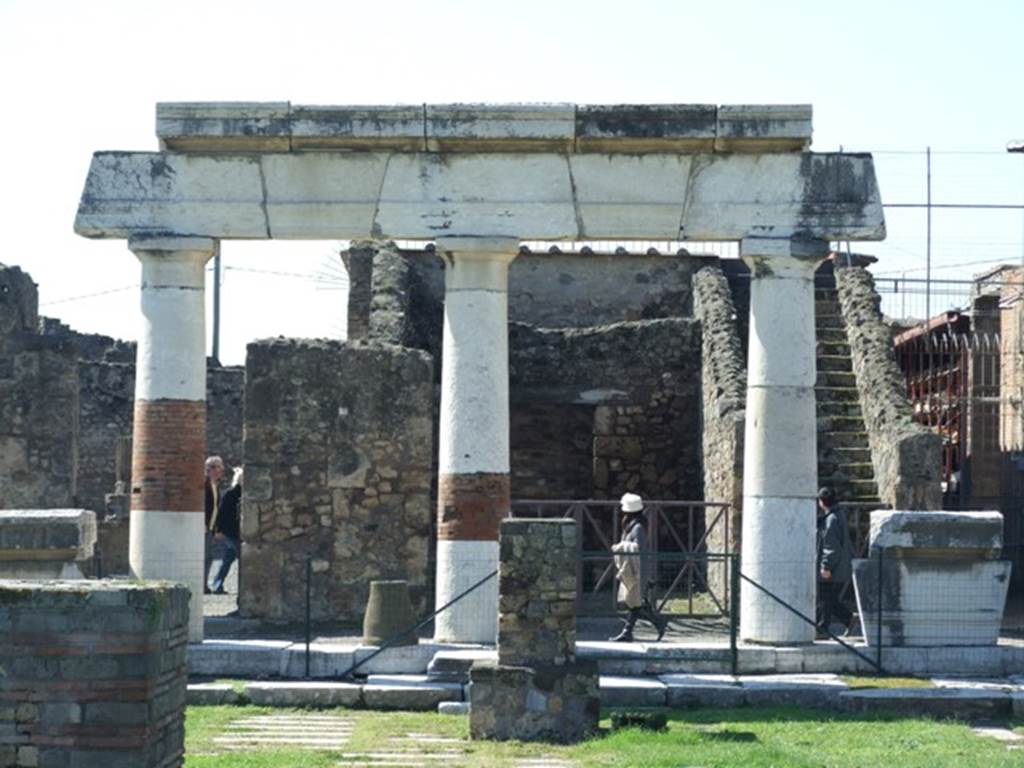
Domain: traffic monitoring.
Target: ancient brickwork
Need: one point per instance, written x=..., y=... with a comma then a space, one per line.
x=338, y=464
x=537, y=690
x=94, y=674
x=906, y=455
x=723, y=396
x=641, y=378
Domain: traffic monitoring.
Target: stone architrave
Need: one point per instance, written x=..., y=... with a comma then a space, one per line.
x=473, y=458
x=780, y=443
x=933, y=578
x=166, y=537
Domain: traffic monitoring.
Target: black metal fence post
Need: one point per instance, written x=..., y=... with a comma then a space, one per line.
x=734, y=610
x=309, y=582
x=878, y=617
x=98, y=554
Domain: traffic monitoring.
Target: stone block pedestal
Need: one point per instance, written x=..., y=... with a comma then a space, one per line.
x=537, y=703
x=45, y=543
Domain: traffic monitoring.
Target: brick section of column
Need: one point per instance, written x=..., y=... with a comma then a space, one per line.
x=470, y=507
x=95, y=674
x=169, y=443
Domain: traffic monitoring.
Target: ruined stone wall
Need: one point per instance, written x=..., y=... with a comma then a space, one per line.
x=641, y=379
x=723, y=398
x=906, y=456
x=38, y=404
x=338, y=463
x=106, y=393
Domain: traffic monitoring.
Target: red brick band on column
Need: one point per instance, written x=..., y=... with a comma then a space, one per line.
x=168, y=450
x=471, y=507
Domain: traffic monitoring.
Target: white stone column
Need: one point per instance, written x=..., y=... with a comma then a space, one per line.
x=780, y=457
x=473, y=461
x=166, y=536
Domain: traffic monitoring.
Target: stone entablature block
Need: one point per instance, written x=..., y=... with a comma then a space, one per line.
x=630, y=128
x=45, y=543
x=908, y=534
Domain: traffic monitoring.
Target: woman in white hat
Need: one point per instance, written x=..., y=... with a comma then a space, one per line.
x=633, y=569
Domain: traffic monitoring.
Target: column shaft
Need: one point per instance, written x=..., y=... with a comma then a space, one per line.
x=473, y=460
x=166, y=536
x=780, y=444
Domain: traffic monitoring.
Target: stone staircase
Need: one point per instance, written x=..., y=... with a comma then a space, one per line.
x=844, y=455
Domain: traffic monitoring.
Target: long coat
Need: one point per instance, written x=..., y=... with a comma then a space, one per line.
x=629, y=564
x=835, y=552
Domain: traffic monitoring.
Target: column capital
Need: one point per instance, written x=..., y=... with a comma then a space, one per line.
x=483, y=248
x=140, y=244
x=783, y=257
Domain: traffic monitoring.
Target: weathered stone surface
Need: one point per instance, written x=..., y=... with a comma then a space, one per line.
x=94, y=672
x=236, y=658
x=338, y=465
x=454, y=666
x=619, y=691
x=45, y=543
x=453, y=708
x=934, y=702
x=903, y=533
x=906, y=455
x=409, y=692
x=304, y=694
x=763, y=128
x=553, y=703
x=211, y=694
x=809, y=691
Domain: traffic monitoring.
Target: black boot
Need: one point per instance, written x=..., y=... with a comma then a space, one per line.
x=625, y=636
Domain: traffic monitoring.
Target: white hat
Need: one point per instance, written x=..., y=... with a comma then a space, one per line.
x=631, y=503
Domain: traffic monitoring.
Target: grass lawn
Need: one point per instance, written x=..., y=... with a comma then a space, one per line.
x=752, y=738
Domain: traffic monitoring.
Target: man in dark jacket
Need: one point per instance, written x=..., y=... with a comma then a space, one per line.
x=214, y=470
x=835, y=568
x=226, y=529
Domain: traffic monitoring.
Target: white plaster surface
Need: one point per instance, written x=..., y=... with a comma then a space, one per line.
x=778, y=553
x=781, y=348
x=169, y=546
x=474, y=426
x=525, y=195
x=171, y=353
x=780, y=443
x=474, y=619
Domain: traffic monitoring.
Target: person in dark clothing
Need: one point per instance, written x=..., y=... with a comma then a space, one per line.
x=835, y=567
x=634, y=571
x=225, y=527
x=211, y=491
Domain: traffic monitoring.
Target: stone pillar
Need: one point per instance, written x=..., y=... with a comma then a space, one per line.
x=780, y=442
x=169, y=437
x=473, y=459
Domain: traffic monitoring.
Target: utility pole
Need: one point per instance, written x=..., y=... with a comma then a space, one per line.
x=1018, y=146
x=215, y=346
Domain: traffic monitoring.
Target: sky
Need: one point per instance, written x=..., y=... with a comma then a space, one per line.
x=887, y=77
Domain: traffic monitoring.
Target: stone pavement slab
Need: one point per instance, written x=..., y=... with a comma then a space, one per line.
x=210, y=694
x=619, y=691
x=304, y=694
x=937, y=702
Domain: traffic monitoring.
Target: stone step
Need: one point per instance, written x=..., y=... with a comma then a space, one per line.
x=832, y=334
x=850, y=395
x=840, y=424
x=843, y=407
x=851, y=489
x=832, y=322
x=834, y=439
x=845, y=379
x=845, y=472
x=843, y=456
x=840, y=348
x=841, y=363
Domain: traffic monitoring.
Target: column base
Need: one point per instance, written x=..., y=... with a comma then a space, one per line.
x=474, y=618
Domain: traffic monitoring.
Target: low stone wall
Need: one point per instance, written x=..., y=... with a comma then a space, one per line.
x=94, y=674
x=723, y=398
x=907, y=457
x=338, y=464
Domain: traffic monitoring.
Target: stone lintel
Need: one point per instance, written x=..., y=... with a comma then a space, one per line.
x=424, y=196
x=623, y=128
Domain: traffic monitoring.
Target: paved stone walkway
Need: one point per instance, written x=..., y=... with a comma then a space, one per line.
x=1011, y=739
x=305, y=731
